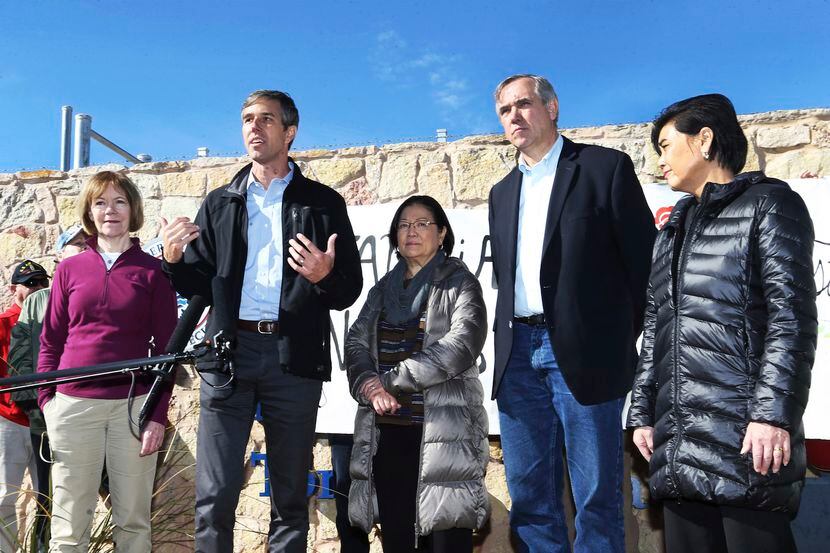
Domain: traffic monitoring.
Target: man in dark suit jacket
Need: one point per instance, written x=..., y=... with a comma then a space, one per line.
x=571, y=238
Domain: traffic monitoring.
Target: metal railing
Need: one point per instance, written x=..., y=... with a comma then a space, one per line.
x=83, y=135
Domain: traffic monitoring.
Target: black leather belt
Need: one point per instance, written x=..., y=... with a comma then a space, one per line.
x=262, y=327
x=532, y=320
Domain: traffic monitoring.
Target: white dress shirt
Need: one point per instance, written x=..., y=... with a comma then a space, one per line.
x=262, y=283
x=537, y=185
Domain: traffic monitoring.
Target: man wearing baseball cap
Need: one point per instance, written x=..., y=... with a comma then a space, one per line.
x=23, y=352
x=15, y=444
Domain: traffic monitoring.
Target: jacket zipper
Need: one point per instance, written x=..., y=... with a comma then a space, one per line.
x=418, y=487
x=105, y=291
x=681, y=265
x=370, y=505
x=426, y=344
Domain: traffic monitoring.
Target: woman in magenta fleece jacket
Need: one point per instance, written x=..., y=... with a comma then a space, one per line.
x=109, y=303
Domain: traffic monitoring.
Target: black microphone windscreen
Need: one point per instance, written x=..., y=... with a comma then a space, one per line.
x=187, y=324
x=221, y=317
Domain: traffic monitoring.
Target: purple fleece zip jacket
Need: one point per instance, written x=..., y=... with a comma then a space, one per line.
x=99, y=316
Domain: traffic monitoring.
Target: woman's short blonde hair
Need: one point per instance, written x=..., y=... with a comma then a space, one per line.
x=95, y=188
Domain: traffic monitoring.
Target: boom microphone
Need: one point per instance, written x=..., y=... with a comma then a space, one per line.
x=178, y=341
x=187, y=324
x=222, y=320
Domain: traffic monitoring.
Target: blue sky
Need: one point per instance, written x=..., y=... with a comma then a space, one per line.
x=167, y=77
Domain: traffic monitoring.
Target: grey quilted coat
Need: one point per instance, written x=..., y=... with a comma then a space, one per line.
x=454, y=445
x=730, y=337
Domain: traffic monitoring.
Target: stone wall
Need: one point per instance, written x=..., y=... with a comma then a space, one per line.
x=36, y=205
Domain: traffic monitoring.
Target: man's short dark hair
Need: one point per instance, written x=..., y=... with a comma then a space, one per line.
x=290, y=115
x=729, y=144
x=438, y=214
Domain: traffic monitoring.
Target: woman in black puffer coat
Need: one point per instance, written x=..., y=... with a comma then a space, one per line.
x=729, y=341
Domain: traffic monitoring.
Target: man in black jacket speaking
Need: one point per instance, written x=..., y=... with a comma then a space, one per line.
x=571, y=236
x=273, y=251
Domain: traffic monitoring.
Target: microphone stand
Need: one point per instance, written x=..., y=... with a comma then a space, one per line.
x=160, y=366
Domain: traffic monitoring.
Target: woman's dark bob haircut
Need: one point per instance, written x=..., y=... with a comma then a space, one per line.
x=715, y=111
x=438, y=214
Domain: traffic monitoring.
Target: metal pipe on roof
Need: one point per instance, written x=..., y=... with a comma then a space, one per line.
x=66, y=137
x=83, y=128
x=114, y=147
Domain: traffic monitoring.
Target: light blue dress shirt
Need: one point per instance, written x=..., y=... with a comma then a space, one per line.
x=262, y=284
x=534, y=200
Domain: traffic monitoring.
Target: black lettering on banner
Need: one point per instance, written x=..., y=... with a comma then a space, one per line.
x=338, y=345
x=485, y=257
x=373, y=261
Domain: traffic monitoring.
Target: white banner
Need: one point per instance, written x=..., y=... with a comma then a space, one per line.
x=371, y=225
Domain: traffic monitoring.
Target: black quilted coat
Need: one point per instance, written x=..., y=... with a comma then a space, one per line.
x=729, y=338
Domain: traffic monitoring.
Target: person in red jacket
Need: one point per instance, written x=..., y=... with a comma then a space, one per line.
x=16, y=452
x=110, y=303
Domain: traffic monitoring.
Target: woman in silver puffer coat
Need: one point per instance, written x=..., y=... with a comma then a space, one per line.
x=420, y=440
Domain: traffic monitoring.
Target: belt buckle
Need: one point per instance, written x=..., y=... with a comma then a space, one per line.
x=269, y=327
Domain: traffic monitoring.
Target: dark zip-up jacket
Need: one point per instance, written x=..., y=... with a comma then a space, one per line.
x=729, y=338
x=213, y=267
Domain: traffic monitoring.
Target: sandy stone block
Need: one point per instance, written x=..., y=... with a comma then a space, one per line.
x=39, y=175
x=190, y=183
x=220, y=176
x=152, y=220
x=19, y=205
x=358, y=192
x=148, y=185
x=791, y=165
x=207, y=162
x=782, y=137
x=374, y=167
x=482, y=140
x=580, y=134
x=407, y=147
x=67, y=187
x=312, y=154
x=752, y=161
x=159, y=167
x=67, y=210
x=86, y=172
x=820, y=135
x=336, y=172
x=475, y=171
x=650, y=168
x=175, y=207
x=397, y=177
x=434, y=180
x=46, y=202
x=628, y=131
x=357, y=151
x=440, y=155
x=21, y=242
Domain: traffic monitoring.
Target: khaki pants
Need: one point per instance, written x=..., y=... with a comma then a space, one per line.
x=15, y=457
x=83, y=433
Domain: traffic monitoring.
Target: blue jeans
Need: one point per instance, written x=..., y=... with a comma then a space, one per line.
x=538, y=416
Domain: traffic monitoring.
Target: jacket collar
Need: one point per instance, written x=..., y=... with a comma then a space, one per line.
x=562, y=183
x=239, y=183
x=717, y=195
x=92, y=244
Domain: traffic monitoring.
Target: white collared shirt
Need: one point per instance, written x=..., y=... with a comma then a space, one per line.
x=262, y=282
x=534, y=200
